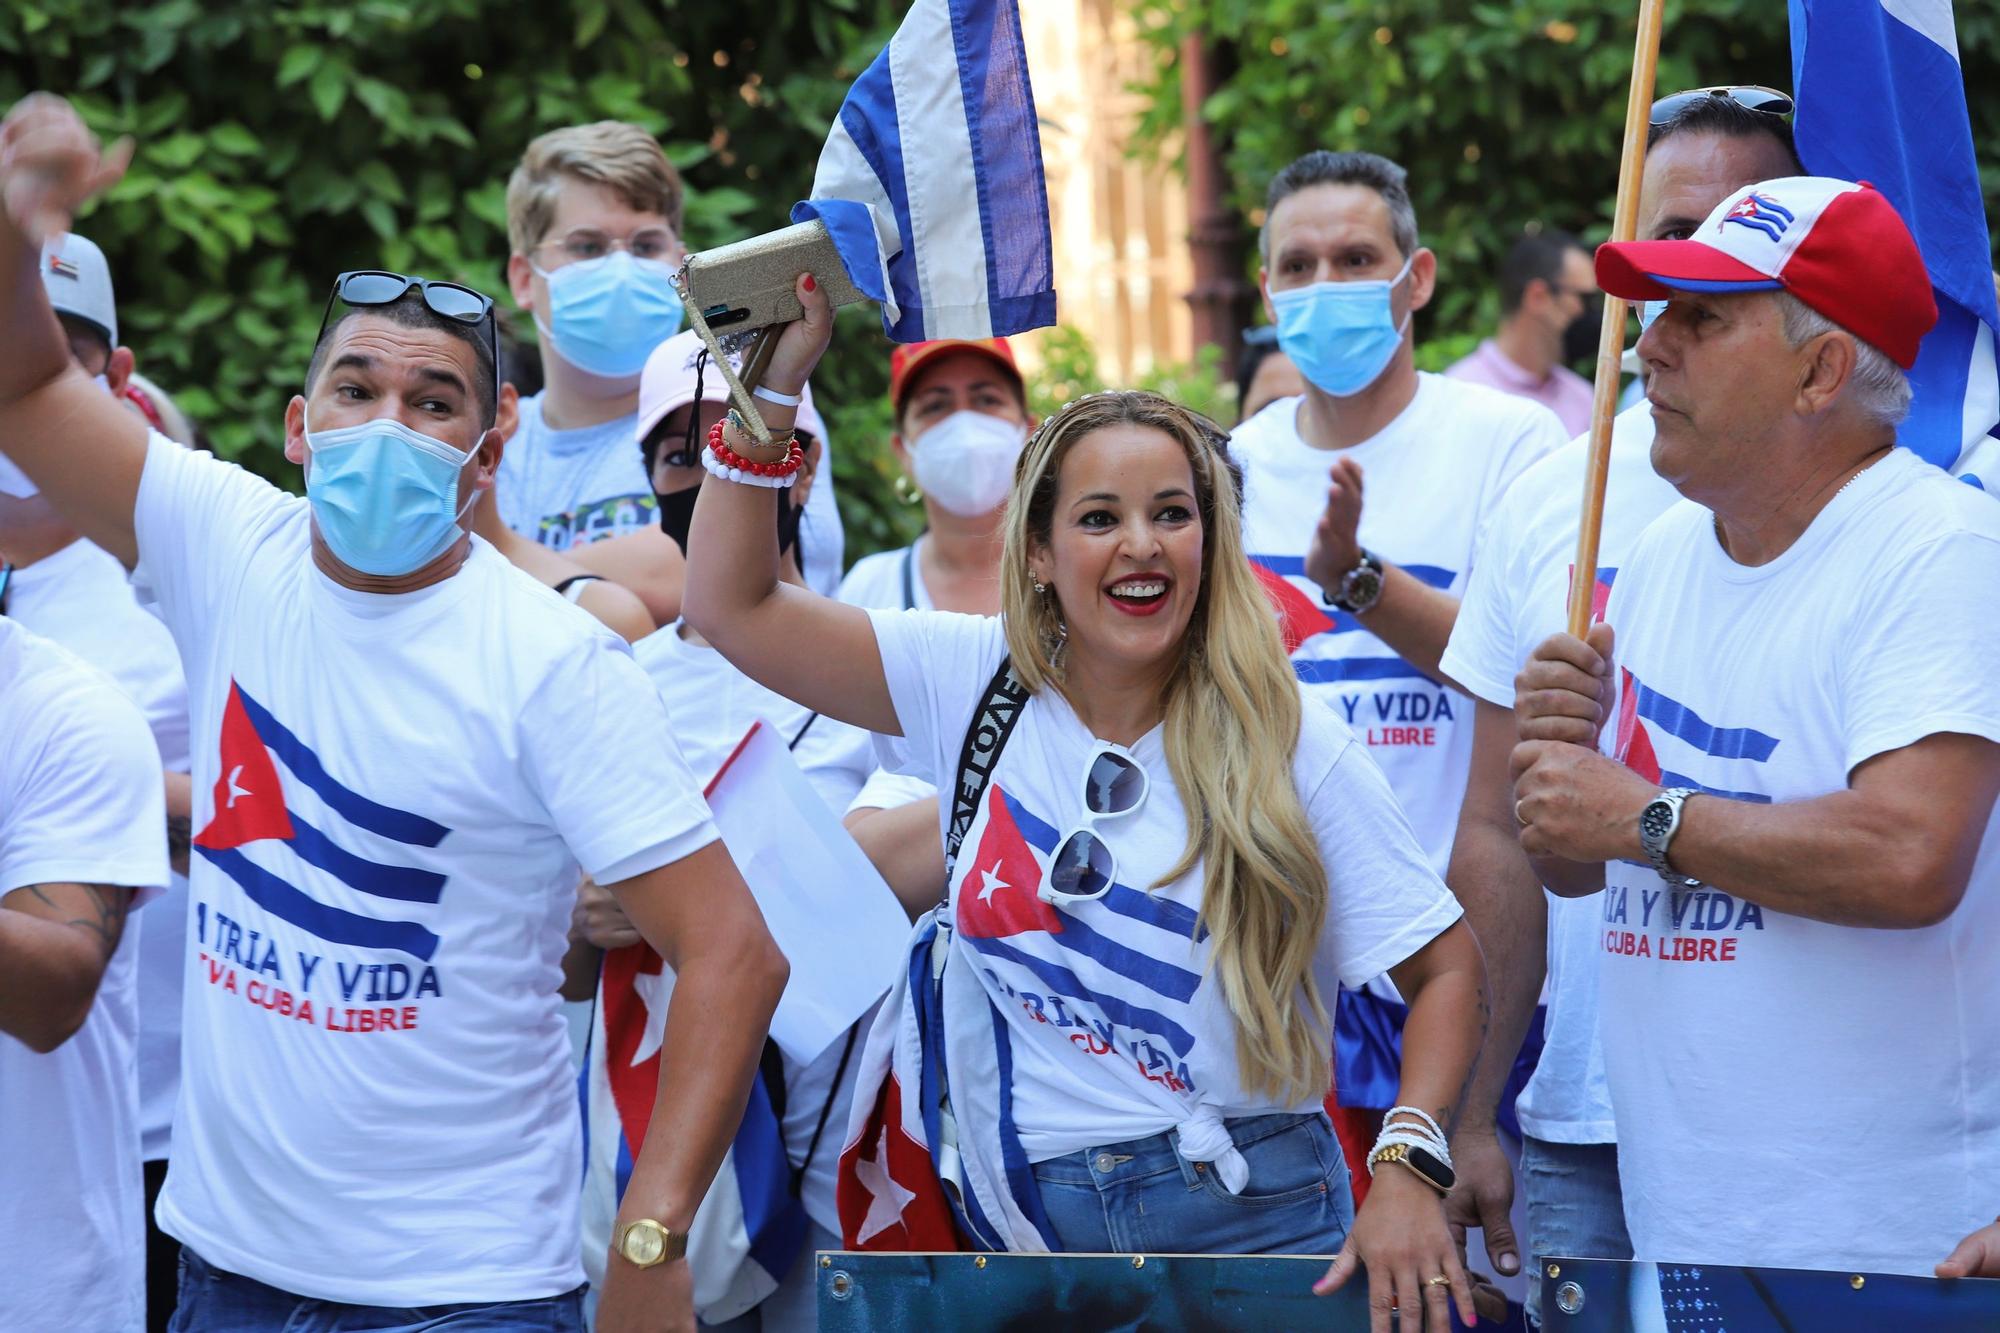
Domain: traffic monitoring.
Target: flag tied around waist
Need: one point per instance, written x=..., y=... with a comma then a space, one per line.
x=1881, y=99
x=931, y=181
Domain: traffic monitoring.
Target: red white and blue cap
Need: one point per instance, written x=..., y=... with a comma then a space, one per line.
x=1837, y=246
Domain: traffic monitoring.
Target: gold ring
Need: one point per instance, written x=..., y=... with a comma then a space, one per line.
x=1439, y=1281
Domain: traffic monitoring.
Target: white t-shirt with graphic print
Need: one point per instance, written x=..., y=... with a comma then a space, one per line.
x=1791, y=1093
x=1518, y=597
x=1431, y=479
x=392, y=797
x=1120, y=1030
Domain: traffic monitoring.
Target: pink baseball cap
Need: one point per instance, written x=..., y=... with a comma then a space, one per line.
x=667, y=384
x=1837, y=246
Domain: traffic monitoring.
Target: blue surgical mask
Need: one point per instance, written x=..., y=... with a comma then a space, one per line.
x=607, y=315
x=385, y=496
x=1650, y=311
x=1341, y=335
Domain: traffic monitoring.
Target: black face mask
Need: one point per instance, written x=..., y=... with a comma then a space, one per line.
x=1580, y=338
x=677, y=515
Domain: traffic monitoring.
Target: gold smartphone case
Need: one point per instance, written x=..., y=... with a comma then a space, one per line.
x=748, y=285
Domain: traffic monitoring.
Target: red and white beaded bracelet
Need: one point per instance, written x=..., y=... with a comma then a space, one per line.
x=724, y=462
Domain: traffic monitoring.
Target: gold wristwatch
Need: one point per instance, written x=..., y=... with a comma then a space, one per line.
x=644, y=1243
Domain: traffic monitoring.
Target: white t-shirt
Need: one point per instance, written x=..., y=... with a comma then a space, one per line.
x=712, y=705
x=889, y=581
x=567, y=488
x=80, y=803
x=1119, y=1031
x=1791, y=1093
x=1516, y=599
x=392, y=798
x=80, y=597
x=1431, y=479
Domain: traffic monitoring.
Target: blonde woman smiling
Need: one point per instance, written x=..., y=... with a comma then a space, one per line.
x=1172, y=860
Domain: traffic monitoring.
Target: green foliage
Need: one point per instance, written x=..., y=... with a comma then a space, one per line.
x=281, y=142
x=1069, y=370
x=1506, y=114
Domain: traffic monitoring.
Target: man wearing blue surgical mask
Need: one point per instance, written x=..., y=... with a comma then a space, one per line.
x=594, y=216
x=1343, y=277
x=404, y=753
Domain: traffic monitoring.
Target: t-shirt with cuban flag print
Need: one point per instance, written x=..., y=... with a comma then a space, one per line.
x=393, y=795
x=1518, y=596
x=1791, y=1093
x=1431, y=479
x=1119, y=1029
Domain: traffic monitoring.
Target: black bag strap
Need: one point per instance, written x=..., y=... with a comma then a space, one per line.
x=910, y=577
x=839, y=1073
x=771, y=1064
x=985, y=736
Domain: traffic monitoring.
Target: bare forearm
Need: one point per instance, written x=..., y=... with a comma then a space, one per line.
x=36, y=350
x=645, y=562
x=1445, y=985
x=1413, y=618
x=905, y=847
x=715, y=1030
x=1508, y=913
x=1841, y=858
x=48, y=980
x=581, y=964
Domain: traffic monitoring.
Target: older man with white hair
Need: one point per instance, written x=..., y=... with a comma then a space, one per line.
x=1792, y=814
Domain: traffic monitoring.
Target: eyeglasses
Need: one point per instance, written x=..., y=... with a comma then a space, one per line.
x=1749, y=96
x=364, y=287
x=583, y=244
x=1085, y=867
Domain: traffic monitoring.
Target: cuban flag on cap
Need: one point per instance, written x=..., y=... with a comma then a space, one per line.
x=1837, y=246
x=931, y=181
x=1881, y=98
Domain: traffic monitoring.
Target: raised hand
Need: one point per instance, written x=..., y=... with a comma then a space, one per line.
x=1336, y=544
x=51, y=165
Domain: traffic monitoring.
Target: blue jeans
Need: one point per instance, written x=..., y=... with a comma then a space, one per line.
x=213, y=1301
x=1575, y=1207
x=1144, y=1197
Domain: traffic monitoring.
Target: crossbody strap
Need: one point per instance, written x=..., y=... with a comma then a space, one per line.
x=985, y=736
x=910, y=577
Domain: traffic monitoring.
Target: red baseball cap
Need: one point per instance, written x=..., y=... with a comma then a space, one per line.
x=1838, y=247
x=909, y=358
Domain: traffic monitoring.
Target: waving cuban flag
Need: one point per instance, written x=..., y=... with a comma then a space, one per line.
x=1881, y=98
x=931, y=181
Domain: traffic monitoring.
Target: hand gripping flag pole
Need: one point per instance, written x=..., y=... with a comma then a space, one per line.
x=1611, y=346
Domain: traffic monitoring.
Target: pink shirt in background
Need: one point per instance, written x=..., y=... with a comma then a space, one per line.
x=1564, y=392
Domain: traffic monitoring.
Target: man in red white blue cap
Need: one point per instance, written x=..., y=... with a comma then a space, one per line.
x=1782, y=773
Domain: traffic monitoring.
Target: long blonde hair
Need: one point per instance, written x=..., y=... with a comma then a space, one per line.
x=1232, y=728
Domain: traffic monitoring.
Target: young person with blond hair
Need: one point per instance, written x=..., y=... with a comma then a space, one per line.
x=1175, y=857
x=594, y=218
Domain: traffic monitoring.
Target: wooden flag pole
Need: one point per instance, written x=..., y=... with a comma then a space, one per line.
x=1611, y=346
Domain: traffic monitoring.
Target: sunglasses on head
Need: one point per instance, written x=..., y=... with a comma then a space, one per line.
x=1749, y=96
x=361, y=288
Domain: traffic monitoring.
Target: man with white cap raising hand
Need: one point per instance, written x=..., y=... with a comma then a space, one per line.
x=1791, y=817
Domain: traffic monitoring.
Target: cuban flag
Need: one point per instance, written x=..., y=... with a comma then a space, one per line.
x=1655, y=733
x=931, y=181
x=1303, y=617
x=1881, y=99
x=267, y=828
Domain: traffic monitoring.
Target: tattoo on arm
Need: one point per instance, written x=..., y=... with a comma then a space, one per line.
x=99, y=912
x=1451, y=1114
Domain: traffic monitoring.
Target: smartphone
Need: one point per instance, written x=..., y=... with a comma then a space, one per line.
x=750, y=284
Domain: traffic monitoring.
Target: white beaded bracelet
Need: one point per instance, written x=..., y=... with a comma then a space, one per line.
x=717, y=468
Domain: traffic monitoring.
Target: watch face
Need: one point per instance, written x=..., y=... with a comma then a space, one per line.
x=1654, y=819
x=1433, y=1170
x=644, y=1245
x=1363, y=587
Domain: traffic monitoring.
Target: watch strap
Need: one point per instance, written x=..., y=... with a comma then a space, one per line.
x=1659, y=821
x=1359, y=588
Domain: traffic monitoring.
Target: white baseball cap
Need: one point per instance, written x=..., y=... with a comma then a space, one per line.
x=668, y=384
x=78, y=281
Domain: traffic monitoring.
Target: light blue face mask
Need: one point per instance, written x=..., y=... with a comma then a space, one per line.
x=1650, y=311
x=385, y=496
x=1341, y=335
x=607, y=315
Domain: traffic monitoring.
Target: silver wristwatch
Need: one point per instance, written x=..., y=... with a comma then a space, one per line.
x=1359, y=588
x=1658, y=823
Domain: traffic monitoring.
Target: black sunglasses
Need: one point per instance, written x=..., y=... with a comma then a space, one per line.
x=1749, y=96
x=364, y=287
